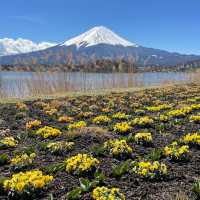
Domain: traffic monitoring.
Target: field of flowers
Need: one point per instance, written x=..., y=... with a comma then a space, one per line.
x=142, y=145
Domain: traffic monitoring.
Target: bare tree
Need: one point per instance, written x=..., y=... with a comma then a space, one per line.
x=131, y=64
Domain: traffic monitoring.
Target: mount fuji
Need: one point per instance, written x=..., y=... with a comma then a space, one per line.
x=99, y=43
x=98, y=35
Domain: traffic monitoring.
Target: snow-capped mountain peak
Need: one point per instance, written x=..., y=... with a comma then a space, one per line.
x=10, y=46
x=98, y=35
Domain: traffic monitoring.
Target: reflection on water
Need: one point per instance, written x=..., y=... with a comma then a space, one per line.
x=26, y=84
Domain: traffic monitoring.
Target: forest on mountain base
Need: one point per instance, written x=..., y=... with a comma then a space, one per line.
x=103, y=66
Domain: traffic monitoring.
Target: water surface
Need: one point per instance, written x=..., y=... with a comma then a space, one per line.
x=30, y=84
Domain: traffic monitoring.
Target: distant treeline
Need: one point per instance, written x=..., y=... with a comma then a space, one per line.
x=103, y=65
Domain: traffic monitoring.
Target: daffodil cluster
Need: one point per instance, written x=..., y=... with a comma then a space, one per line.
x=139, y=111
x=149, y=169
x=101, y=119
x=192, y=139
x=195, y=106
x=76, y=125
x=122, y=127
x=164, y=118
x=81, y=163
x=85, y=114
x=195, y=118
x=143, y=138
x=181, y=112
x=65, y=119
x=159, y=107
x=194, y=99
x=176, y=152
x=48, y=131
x=120, y=115
x=33, y=124
x=105, y=110
x=27, y=182
x=104, y=193
x=23, y=160
x=51, y=111
x=7, y=142
x=21, y=106
x=42, y=105
x=60, y=146
x=118, y=147
x=142, y=121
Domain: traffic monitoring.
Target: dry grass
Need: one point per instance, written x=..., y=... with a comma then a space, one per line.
x=77, y=94
x=181, y=196
x=45, y=85
x=93, y=131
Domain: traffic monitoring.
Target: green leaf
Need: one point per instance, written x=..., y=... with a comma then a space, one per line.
x=85, y=184
x=4, y=159
x=2, y=179
x=154, y=155
x=98, y=150
x=74, y=194
x=196, y=188
x=52, y=169
x=99, y=177
x=119, y=170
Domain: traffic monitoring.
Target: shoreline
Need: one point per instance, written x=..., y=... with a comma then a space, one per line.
x=93, y=93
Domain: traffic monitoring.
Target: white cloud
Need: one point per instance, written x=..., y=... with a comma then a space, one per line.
x=10, y=46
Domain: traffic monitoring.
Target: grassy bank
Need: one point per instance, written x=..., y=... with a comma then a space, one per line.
x=87, y=93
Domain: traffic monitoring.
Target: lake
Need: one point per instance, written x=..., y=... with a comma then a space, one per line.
x=30, y=84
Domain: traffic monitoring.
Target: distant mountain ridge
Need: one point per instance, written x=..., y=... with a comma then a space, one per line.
x=99, y=43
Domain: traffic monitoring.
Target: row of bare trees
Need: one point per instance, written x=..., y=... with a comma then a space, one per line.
x=67, y=61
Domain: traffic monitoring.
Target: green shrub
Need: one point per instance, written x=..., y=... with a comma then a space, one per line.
x=4, y=159
x=154, y=155
x=196, y=188
x=119, y=170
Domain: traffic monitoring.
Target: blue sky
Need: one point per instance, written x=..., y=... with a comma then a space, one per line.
x=172, y=25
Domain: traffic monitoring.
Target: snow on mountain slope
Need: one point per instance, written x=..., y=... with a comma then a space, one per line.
x=98, y=35
x=10, y=46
